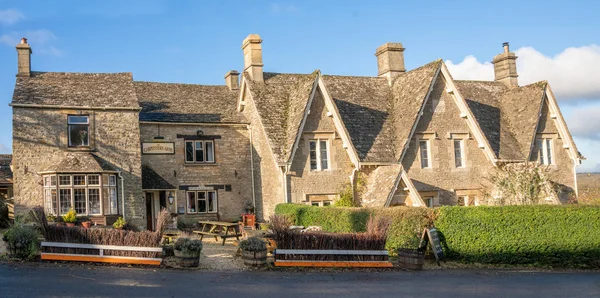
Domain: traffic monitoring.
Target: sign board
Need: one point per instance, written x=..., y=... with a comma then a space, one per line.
x=432, y=236
x=158, y=148
x=200, y=188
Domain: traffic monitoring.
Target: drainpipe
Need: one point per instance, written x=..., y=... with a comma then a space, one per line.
x=285, y=186
x=252, y=167
x=122, y=196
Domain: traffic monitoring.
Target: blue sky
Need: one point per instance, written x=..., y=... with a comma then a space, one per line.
x=199, y=41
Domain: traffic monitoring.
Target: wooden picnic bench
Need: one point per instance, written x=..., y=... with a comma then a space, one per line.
x=217, y=229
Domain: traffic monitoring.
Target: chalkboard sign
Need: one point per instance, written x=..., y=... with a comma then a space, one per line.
x=432, y=236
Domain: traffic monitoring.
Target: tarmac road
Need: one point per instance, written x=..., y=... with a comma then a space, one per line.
x=49, y=280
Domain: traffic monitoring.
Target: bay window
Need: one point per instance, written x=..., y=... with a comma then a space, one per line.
x=202, y=202
x=85, y=193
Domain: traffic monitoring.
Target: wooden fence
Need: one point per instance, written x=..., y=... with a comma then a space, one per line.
x=282, y=258
x=100, y=257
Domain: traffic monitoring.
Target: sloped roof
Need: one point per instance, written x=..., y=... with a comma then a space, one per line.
x=281, y=102
x=167, y=102
x=152, y=180
x=6, y=173
x=77, y=162
x=76, y=89
x=507, y=116
x=380, y=184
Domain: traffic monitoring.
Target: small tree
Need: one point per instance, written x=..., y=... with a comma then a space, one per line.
x=520, y=184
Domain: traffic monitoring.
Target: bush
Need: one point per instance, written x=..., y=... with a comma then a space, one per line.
x=564, y=236
x=4, y=221
x=22, y=241
x=186, y=245
x=253, y=244
x=70, y=217
x=119, y=223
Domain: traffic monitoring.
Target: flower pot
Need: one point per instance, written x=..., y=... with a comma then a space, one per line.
x=254, y=258
x=411, y=259
x=188, y=258
x=86, y=224
x=70, y=224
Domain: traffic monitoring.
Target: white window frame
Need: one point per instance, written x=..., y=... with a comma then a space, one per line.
x=69, y=123
x=429, y=161
x=109, y=186
x=318, y=156
x=197, y=200
x=463, y=159
x=205, y=154
x=546, y=151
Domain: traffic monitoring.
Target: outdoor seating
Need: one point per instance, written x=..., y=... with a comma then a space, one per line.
x=217, y=229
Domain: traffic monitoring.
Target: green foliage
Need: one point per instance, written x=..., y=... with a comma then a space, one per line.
x=187, y=225
x=119, y=223
x=22, y=241
x=407, y=222
x=188, y=245
x=253, y=244
x=347, y=193
x=70, y=217
x=563, y=236
x=4, y=221
x=521, y=184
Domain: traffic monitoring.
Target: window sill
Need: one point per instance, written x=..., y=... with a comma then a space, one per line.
x=80, y=149
x=201, y=164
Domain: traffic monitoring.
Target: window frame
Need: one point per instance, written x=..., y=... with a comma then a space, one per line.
x=197, y=200
x=428, y=200
x=319, y=154
x=428, y=153
x=69, y=124
x=52, y=203
x=461, y=148
x=546, y=151
x=205, y=152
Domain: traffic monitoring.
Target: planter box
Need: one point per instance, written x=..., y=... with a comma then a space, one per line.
x=254, y=258
x=187, y=259
x=411, y=259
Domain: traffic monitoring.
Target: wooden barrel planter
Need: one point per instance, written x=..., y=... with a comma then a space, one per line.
x=411, y=259
x=187, y=259
x=254, y=258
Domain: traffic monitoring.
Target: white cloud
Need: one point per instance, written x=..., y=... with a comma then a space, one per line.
x=278, y=8
x=10, y=16
x=584, y=122
x=573, y=74
x=41, y=40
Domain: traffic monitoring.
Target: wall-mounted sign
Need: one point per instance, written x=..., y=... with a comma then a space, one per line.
x=158, y=148
x=200, y=188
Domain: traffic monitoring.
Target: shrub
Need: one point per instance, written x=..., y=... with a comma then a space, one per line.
x=564, y=236
x=4, y=221
x=119, y=223
x=70, y=217
x=186, y=245
x=253, y=244
x=22, y=241
x=187, y=225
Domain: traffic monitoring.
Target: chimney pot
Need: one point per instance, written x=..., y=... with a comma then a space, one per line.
x=23, y=58
x=505, y=67
x=253, y=63
x=23, y=40
x=390, y=60
x=232, y=80
x=506, y=48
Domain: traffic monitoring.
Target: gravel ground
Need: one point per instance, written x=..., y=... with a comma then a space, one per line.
x=215, y=257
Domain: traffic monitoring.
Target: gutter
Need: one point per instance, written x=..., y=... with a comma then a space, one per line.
x=20, y=105
x=252, y=167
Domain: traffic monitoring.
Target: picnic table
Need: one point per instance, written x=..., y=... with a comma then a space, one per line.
x=219, y=229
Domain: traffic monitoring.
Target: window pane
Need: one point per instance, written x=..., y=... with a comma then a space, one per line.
x=80, y=204
x=94, y=198
x=540, y=144
x=199, y=152
x=78, y=135
x=423, y=148
x=210, y=152
x=112, y=180
x=313, y=154
x=65, y=200
x=113, y=201
x=202, y=202
x=64, y=180
x=326, y=203
x=78, y=120
x=50, y=204
x=324, y=161
x=93, y=179
x=458, y=153
x=192, y=202
x=189, y=151
x=316, y=204
x=52, y=180
x=461, y=201
x=212, y=201
x=78, y=179
x=549, y=150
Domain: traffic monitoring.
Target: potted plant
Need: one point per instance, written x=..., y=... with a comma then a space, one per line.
x=86, y=224
x=187, y=251
x=254, y=251
x=249, y=207
x=411, y=257
x=119, y=223
x=70, y=218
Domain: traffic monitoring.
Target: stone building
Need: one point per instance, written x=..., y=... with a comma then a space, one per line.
x=110, y=146
x=6, y=177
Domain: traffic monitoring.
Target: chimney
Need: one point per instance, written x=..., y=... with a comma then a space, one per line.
x=232, y=80
x=253, y=63
x=390, y=60
x=505, y=67
x=24, y=58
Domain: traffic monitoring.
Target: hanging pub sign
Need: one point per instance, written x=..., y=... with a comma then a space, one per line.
x=158, y=148
x=432, y=236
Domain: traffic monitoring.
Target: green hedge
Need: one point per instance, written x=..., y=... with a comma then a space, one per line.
x=407, y=224
x=564, y=236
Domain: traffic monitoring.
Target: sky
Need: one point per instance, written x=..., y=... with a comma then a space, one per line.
x=199, y=41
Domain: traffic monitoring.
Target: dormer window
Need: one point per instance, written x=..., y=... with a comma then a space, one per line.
x=79, y=128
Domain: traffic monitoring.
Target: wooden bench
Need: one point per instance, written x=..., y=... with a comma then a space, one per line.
x=216, y=229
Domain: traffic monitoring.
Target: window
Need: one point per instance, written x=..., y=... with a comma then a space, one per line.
x=202, y=202
x=463, y=201
x=79, y=131
x=545, y=151
x=319, y=155
x=428, y=201
x=199, y=152
x=459, y=155
x=424, y=154
x=82, y=192
x=323, y=203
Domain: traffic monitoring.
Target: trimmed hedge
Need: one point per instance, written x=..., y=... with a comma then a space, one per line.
x=407, y=222
x=564, y=236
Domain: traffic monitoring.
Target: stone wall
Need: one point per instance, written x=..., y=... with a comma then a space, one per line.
x=40, y=140
x=231, y=167
x=440, y=121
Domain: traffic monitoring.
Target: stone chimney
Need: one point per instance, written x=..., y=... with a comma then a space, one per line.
x=232, y=80
x=253, y=63
x=505, y=67
x=24, y=58
x=390, y=60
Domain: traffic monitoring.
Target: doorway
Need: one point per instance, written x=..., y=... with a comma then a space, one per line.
x=155, y=202
x=149, y=213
